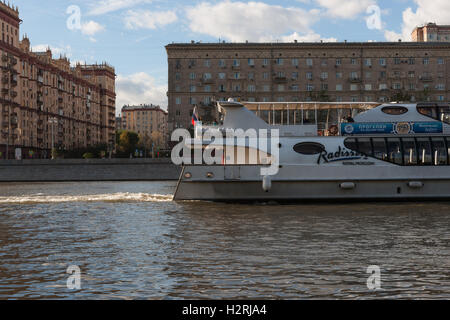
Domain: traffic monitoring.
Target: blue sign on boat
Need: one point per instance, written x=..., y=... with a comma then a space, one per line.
x=391, y=128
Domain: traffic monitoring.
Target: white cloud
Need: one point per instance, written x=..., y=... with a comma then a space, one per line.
x=310, y=37
x=392, y=36
x=347, y=9
x=107, y=6
x=90, y=28
x=427, y=11
x=140, y=88
x=252, y=21
x=144, y=19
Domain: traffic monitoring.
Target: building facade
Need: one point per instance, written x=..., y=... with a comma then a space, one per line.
x=148, y=121
x=45, y=101
x=200, y=74
x=431, y=33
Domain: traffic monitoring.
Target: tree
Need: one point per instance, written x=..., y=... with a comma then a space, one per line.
x=145, y=143
x=128, y=141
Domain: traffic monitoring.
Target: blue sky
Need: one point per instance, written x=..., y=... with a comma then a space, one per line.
x=131, y=34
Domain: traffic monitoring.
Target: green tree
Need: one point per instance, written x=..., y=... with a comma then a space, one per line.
x=128, y=141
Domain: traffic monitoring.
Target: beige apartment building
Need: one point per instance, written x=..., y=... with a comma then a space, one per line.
x=200, y=74
x=431, y=32
x=45, y=101
x=149, y=121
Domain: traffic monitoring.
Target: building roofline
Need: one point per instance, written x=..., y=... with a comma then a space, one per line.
x=303, y=45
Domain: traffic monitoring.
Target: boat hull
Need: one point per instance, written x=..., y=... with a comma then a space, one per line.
x=366, y=184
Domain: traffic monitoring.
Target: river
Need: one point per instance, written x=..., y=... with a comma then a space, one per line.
x=131, y=241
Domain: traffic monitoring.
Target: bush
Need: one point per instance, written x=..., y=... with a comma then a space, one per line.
x=88, y=155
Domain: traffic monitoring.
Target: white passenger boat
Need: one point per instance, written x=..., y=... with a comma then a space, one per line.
x=324, y=152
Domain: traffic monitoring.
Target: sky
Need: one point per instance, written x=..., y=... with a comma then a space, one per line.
x=131, y=34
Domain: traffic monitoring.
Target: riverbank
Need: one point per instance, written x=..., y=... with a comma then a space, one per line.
x=88, y=170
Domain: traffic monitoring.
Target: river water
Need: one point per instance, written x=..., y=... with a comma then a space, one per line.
x=131, y=241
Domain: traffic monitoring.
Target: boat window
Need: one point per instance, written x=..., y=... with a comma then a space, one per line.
x=440, y=112
x=428, y=111
x=424, y=149
x=448, y=149
x=379, y=148
x=365, y=146
x=394, y=150
x=407, y=151
x=439, y=151
x=397, y=110
x=444, y=113
x=309, y=148
x=350, y=144
x=410, y=151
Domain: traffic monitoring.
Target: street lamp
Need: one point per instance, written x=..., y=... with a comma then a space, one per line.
x=53, y=121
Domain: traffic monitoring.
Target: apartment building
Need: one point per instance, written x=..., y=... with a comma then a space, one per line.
x=201, y=73
x=431, y=32
x=147, y=121
x=46, y=101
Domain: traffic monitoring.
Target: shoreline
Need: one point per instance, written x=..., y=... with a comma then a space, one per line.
x=78, y=170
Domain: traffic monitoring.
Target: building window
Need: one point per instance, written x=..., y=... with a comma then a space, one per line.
x=294, y=87
x=295, y=62
x=411, y=61
x=353, y=87
x=397, y=86
x=382, y=61
x=426, y=61
x=309, y=62
x=251, y=62
x=368, y=87
x=294, y=75
x=192, y=76
x=324, y=75
x=251, y=76
x=222, y=63
x=309, y=87
x=237, y=75
x=309, y=75
x=192, y=89
x=324, y=86
x=339, y=87
x=353, y=61
x=178, y=101
x=280, y=87
x=440, y=86
x=207, y=88
x=440, y=61
x=251, y=88
x=368, y=75
x=338, y=75
x=222, y=76
x=338, y=62
x=192, y=100
x=207, y=63
x=397, y=61
x=236, y=62
x=207, y=76
x=368, y=62
x=411, y=74
x=265, y=62
x=177, y=76
x=266, y=88
x=279, y=61
x=265, y=75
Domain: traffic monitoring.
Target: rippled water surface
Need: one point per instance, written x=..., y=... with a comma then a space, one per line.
x=131, y=241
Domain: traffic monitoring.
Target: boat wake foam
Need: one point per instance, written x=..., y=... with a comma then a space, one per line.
x=114, y=197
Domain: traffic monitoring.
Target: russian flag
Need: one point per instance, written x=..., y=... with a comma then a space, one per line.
x=194, y=117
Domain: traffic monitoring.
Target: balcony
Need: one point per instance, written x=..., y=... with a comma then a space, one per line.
x=281, y=79
x=5, y=79
x=13, y=94
x=5, y=91
x=207, y=81
x=426, y=78
x=354, y=80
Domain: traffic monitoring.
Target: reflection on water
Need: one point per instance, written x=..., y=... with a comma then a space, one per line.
x=132, y=242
